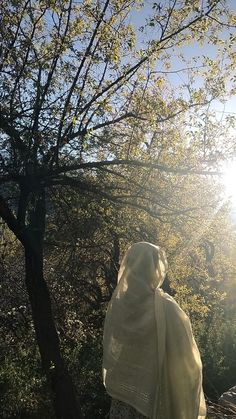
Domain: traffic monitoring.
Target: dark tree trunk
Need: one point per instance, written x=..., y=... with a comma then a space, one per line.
x=32, y=204
x=65, y=401
x=64, y=396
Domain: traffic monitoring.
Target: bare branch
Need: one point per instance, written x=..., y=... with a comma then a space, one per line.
x=227, y=25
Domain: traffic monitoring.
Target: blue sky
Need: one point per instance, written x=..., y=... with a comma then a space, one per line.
x=229, y=107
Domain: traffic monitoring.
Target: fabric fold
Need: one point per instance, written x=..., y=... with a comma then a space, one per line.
x=150, y=358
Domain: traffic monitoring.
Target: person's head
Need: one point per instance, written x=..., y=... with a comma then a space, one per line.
x=143, y=268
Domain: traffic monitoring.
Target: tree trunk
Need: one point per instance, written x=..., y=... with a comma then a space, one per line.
x=65, y=401
x=64, y=396
x=32, y=201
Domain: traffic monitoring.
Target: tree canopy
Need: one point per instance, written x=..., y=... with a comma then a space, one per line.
x=100, y=147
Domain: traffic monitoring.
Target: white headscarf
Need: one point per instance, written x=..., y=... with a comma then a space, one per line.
x=150, y=358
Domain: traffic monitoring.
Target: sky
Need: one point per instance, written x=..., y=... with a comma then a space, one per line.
x=221, y=109
x=229, y=107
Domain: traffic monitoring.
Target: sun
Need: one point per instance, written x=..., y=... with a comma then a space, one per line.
x=229, y=181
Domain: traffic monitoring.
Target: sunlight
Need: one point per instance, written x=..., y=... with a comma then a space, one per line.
x=229, y=181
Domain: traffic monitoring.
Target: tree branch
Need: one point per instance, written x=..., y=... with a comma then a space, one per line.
x=133, y=163
x=122, y=200
x=132, y=70
x=86, y=54
x=11, y=221
x=107, y=123
x=12, y=132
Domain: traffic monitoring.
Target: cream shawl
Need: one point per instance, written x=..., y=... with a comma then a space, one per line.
x=150, y=358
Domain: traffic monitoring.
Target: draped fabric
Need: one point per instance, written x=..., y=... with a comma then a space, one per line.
x=150, y=358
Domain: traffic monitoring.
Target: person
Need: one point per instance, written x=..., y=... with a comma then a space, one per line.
x=151, y=364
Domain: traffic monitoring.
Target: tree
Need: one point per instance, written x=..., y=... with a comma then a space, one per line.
x=82, y=245
x=77, y=91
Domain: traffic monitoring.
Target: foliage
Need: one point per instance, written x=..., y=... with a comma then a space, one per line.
x=98, y=150
x=80, y=274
